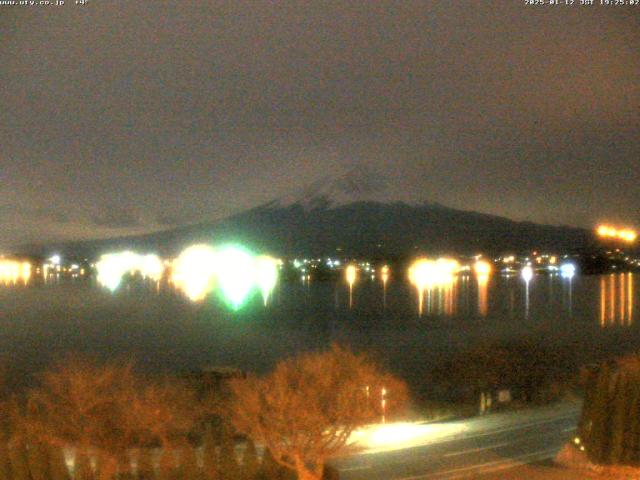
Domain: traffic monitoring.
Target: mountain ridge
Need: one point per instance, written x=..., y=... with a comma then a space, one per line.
x=360, y=228
x=345, y=216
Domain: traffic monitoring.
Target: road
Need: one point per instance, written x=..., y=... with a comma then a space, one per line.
x=462, y=449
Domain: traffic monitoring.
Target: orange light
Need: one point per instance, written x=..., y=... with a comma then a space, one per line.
x=482, y=267
x=351, y=273
x=11, y=271
x=427, y=275
x=385, y=273
x=630, y=298
x=603, y=301
x=483, y=270
x=624, y=234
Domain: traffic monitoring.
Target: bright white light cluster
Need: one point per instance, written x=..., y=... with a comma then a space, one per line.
x=113, y=266
x=567, y=270
x=193, y=271
x=425, y=273
x=527, y=273
x=266, y=275
x=197, y=271
x=428, y=275
x=200, y=269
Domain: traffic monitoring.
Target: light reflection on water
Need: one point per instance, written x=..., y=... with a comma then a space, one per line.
x=483, y=294
x=616, y=299
x=462, y=296
x=163, y=329
x=543, y=296
x=441, y=299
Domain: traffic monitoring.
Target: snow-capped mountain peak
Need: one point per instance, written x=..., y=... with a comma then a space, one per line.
x=358, y=185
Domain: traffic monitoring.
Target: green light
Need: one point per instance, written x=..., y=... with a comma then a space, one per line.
x=235, y=271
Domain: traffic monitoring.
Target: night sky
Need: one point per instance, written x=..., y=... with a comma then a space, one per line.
x=122, y=117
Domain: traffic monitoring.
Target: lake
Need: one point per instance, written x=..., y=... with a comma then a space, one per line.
x=163, y=331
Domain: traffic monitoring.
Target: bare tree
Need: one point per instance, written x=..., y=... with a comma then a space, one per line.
x=106, y=410
x=305, y=411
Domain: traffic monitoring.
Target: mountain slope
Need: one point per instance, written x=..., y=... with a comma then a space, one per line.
x=359, y=229
x=339, y=216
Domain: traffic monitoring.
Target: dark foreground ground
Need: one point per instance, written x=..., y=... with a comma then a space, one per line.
x=540, y=471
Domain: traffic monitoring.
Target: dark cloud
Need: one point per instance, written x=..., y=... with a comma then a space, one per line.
x=52, y=214
x=169, y=220
x=199, y=112
x=172, y=219
x=117, y=217
x=34, y=213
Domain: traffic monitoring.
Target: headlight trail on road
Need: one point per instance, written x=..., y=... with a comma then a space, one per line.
x=401, y=435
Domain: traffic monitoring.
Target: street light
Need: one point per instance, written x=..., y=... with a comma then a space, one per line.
x=383, y=402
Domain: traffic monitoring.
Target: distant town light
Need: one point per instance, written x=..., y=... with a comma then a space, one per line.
x=567, y=270
x=111, y=268
x=625, y=234
x=193, y=271
x=384, y=273
x=482, y=267
x=527, y=273
x=11, y=271
x=425, y=272
x=351, y=274
x=266, y=275
x=235, y=274
x=150, y=266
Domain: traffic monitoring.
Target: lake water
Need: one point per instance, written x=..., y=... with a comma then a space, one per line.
x=163, y=331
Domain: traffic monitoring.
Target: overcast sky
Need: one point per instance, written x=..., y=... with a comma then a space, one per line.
x=129, y=116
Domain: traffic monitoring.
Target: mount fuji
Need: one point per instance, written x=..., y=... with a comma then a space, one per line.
x=354, y=215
